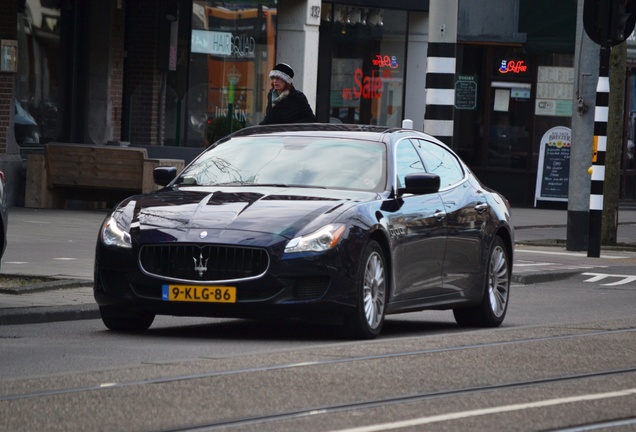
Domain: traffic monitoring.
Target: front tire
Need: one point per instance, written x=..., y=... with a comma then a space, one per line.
x=371, y=289
x=494, y=304
x=126, y=320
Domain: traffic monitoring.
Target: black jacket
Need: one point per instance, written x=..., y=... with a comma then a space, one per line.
x=293, y=109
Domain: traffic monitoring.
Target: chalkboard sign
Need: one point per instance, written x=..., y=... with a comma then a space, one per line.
x=553, y=172
x=466, y=92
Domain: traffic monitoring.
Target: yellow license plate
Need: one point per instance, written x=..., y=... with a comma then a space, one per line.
x=190, y=293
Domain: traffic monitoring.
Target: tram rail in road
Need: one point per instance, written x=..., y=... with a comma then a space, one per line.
x=472, y=380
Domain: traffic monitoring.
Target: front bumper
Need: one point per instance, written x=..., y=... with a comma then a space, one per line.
x=294, y=285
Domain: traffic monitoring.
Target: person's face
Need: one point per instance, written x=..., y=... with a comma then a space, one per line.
x=278, y=84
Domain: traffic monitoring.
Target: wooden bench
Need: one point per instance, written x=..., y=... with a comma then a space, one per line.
x=96, y=173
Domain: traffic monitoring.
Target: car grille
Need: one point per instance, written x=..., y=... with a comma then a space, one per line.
x=310, y=288
x=199, y=263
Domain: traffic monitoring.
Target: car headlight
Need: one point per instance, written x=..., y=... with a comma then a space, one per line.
x=115, y=235
x=323, y=239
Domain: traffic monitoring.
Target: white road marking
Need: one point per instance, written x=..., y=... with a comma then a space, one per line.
x=574, y=254
x=65, y=259
x=625, y=279
x=531, y=263
x=493, y=410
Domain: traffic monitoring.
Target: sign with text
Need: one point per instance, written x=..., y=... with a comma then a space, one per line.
x=466, y=92
x=555, y=90
x=553, y=172
x=515, y=67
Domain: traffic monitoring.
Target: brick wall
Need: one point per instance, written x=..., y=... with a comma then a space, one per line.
x=8, y=30
x=117, y=76
x=144, y=79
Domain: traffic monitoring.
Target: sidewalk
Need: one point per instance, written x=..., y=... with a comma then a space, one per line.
x=549, y=227
x=56, y=248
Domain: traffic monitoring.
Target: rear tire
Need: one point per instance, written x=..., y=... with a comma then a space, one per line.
x=494, y=304
x=371, y=288
x=126, y=320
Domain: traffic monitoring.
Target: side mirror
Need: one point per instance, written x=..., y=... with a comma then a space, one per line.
x=420, y=184
x=164, y=174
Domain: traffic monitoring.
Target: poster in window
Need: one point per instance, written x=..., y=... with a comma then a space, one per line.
x=8, y=55
x=553, y=172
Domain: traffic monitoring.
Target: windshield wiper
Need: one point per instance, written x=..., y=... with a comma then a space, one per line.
x=280, y=185
x=288, y=185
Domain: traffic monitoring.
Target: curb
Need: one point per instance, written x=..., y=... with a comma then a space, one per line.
x=535, y=278
x=38, y=315
x=627, y=247
x=45, y=286
x=44, y=314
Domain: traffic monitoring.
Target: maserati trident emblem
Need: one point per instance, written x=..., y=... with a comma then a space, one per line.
x=201, y=265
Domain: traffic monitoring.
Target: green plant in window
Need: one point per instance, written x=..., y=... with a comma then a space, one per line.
x=220, y=127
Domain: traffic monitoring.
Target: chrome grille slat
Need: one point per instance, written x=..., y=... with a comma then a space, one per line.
x=223, y=263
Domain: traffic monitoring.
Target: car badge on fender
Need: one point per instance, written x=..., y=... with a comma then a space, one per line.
x=200, y=266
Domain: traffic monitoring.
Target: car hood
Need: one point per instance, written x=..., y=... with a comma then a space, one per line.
x=185, y=213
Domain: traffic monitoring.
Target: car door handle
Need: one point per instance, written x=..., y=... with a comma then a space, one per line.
x=439, y=215
x=481, y=207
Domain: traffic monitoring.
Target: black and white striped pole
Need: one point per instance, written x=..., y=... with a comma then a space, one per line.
x=608, y=23
x=599, y=147
x=441, y=69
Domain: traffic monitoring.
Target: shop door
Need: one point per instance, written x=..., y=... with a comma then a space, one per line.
x=510, y=123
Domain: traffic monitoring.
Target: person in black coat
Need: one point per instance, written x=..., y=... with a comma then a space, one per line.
x=285, y=104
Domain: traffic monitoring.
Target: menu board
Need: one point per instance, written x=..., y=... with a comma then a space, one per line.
x=553, y=172
x=466, y=92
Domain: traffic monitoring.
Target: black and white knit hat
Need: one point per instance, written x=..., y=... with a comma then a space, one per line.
x=284, y=72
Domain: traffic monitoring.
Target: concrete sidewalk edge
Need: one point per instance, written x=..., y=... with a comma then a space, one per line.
x=550, y=276
x=37, y=315
x=44, y=286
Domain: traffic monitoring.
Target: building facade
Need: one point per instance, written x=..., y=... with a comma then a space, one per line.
x=175, y=75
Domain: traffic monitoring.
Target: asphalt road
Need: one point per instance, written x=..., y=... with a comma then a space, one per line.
x=532, y=378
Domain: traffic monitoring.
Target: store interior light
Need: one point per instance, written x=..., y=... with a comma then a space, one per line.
x=375, y=17
x=325, y=12
x=340, y=14
x=172, y=12
x=353, y=16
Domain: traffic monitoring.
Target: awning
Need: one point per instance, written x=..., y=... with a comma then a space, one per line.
x=550, y=26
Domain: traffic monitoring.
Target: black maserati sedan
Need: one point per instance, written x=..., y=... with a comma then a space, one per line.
x=328, y=222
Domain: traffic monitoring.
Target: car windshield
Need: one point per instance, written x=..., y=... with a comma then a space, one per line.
x=295, y=161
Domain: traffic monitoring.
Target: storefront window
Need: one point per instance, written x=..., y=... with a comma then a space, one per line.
x=232, y=52
x=628, y=165
x=367, y=65
x=36, y=114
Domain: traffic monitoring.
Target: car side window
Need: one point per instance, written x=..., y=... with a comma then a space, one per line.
x=440, y=161
x=408, y=161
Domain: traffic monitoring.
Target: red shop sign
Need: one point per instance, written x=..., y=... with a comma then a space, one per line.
x=366, y=87
x=513, y=66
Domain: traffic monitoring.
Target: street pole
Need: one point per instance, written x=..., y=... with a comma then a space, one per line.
x=586, y=59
